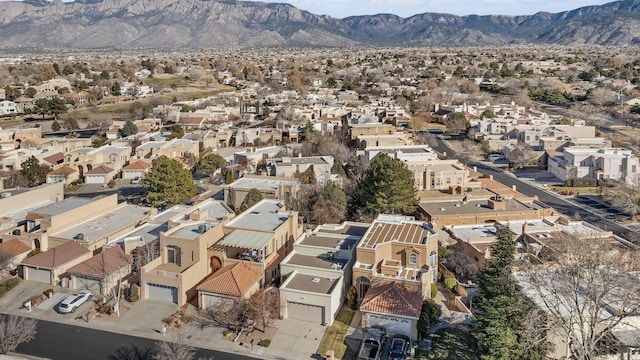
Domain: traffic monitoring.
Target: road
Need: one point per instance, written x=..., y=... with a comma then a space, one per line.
x=60, y=341
x=561, y=205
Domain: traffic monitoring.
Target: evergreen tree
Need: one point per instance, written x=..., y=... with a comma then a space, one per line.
x=335, y=195
x=129, y=128
x=57, y=106
x=338, y=169
x=168, y=182
x=228, y=177
x=308, y=176
x=211, y=163
x=32, y=172
x=387, y=187
x=42, y=107
x=428, y=316
x=55, y=126
x=502, y=307
x=253, y=197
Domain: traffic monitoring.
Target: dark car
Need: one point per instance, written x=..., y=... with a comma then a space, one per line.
x=399, y=347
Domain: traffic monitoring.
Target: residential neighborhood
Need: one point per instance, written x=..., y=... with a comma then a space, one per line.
x=352, y=206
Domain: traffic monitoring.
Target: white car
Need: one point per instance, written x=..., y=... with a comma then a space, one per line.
x=136, y=180
x=73, y=301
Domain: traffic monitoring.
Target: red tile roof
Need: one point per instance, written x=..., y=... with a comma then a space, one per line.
x=233, y=280
x=103, y=264
x=65, y=170
x=102, y=169
x=138, y=165
x=56, y=158
x=14, y=247
x=57, y=256
x=392, y=298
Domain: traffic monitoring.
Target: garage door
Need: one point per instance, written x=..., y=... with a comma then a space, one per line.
x=93, y=285
x=162, y=293
x=393, y=325
x=95, y=179
x=310, y=313
x=39, y=275
x=211, y=301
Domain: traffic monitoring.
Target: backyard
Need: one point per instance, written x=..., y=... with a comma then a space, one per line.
x=452, y=344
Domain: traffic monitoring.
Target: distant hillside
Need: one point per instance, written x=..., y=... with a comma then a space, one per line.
x=161, y=24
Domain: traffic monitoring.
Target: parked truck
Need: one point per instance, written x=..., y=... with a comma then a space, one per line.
x=372, y=344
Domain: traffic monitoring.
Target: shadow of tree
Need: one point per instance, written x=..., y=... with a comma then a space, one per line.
x=132, y=353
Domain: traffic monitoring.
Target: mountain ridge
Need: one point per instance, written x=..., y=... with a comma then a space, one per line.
x=163, y=24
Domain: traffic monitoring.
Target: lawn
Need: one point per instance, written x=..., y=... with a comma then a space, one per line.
x=453, y=344
x=335, y=334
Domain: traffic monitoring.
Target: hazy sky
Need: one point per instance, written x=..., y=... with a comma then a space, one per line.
x=406, y=8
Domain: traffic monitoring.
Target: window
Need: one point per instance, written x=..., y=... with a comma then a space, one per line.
x=173, y=255
x=433, y=257
x=413, y=258
x=633, y=168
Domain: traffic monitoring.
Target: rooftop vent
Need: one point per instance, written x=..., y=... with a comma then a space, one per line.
x=315, y=280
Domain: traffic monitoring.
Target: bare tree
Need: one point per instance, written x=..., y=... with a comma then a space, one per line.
x=587, y=287
x=231, y=314
x=175, y=349
x=468, y=150
x=15, y=330
x=264, y=307
x=625, y=197
x=523, y=155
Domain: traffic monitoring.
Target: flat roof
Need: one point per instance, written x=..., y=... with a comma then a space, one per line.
x=190, y=231
x=310, y=283
x=148, y=232
x=329, y=242
x=466, y=233
x=404, y=231
x=436, y=208
x=62, y=206
x=315, y=261
x=263, y=184
x=265, y=215
x=105, y=224
x=346, y=228
x=246, y=239
x=169, y=213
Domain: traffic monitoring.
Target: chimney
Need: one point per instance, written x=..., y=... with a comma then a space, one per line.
x=514, y=188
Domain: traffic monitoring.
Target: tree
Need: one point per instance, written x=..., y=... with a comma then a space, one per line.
x=488, y=114
x=502, y=308
x=428, y=316
x=176, y=349
x=168, y=182
x=337, y=169
x=70, y=123
x=468, y=150
x=253, y=197
x=211, y=163
x=175, y=132
x=30, y=92
x=228, y=177
x=231, y=314
x=587, y=287
x=352, y=298
x=387, y=187
x=15, y=330
x=32, y=172
x=129, y=128
x=42, y=107
x=523, y=155
x=55, y=126
x=57, y=107
x=308, y=176
x=264, y=307
x=456, y=122
x=625, y=197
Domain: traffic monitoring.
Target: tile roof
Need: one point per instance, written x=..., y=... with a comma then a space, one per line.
x=392, y=298
x=103, y=264
x=55, y=158
x=138, y=165
x=102, y=169
x=57, y=256
x=14, y=247
x=64, y=170
x=232, y=280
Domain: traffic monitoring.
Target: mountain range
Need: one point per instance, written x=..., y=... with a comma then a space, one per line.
x=198, y=24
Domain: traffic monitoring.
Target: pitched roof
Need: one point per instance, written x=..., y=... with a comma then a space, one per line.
x=138, y=165
x=57, y=256
x=56, y=158
x=232, y=280
x=102, y=169
x=103, y=264
x=14, y=247
x=64, y=170
x=392, y=298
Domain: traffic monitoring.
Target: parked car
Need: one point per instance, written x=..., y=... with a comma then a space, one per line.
x=372, y=344
x=136, y=180
x=73, y=301
x=495, y=157
x=399, y=347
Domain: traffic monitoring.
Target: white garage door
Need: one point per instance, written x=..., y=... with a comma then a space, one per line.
x=95, y=179
x=210, y=301
x=310, y=313
x=93, y=285
x=39, y=275
x=393, y=325
x=162, y=293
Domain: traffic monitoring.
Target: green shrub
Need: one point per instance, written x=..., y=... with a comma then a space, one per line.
x=450, y=283
x=8, y=285
x=226, y=332
x=264, y=342
x=434, y=290
x=34, y=252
